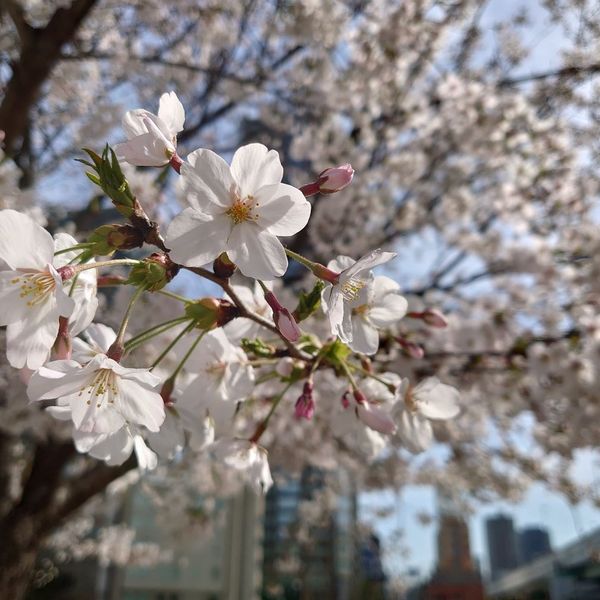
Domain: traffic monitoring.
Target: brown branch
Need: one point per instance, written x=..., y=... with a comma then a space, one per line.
x=573, y=71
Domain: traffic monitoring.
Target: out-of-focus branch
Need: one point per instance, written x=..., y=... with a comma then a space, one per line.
x=17, y=15
x=573, y=71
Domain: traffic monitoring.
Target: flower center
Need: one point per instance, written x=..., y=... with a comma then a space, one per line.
x=35, y=286
x=361, y=310
x=409, y=401
x=241, y=209
x=351, y=288
x=104, y=384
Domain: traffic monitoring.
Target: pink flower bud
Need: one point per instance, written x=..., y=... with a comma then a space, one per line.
x=431, y=317
x=284, y=321
x=346, y=399
x=305, y=405
x=412, y=349
x=335, y=179
x=434, y=318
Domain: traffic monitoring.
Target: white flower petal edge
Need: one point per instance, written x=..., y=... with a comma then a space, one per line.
x=102, y=395
x=239, y=210
x=32, y=297
x=414, y=408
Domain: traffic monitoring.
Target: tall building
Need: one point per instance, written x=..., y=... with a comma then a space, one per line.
x=322, y=568
x=534, y=542
x=456, y=575
x=502, y=545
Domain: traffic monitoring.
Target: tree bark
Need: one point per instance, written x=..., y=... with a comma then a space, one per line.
x=40, y=51
x=39, y=511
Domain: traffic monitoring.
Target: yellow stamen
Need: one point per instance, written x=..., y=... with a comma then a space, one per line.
x=103, y=384
x=351, y=288
x=35, y=286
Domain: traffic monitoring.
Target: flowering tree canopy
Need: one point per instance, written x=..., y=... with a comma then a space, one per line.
x=295, y=147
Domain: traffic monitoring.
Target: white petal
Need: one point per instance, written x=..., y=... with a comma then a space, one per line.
x=58, y=378
x=146, y=150
x=147, y=460
x=373, y=259
x=23, y=243
x=101, y=336
x=140, y=405
x=12, y=306
x=283, y=210
x=332, y=302
x=207, y=179
x=365, y=338
x=437, y=400
x=171, y=112
x=376, y=418
x=134, y=122
x=61, y=413
x=94, y=414
x=257, y=253
x=142, y=376
x=340, y=263
x=195, y=239
x=414, y=431
x=241, y=382
x=28, y=342
x=387, y=310
x=254, y=166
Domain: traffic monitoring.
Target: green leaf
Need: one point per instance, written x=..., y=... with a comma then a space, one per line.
x=309, y=302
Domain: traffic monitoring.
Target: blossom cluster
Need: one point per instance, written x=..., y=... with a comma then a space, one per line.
x=235, y=358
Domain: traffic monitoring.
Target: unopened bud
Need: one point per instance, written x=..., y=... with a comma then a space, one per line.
x=412, y=349
x=223, y=267
x=208, y=313
x=154, y=272
x=335, y=179
x=360, y=397
x=176, y=162
x=431, y=317
x=108, y=238
x=330, y=181
x=305, y=405
x=346, y=399
x=283, y=319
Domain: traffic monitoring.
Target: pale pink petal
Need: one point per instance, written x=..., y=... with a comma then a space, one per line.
x=376, y=418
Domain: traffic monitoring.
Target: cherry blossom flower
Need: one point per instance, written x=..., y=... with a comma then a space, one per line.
x=377, y=306
x=415, y=407
x=248, y=458
x=222, y=369
x=152, y=139
x=341, y=297
x=253, y=298
x=239, y=210
x=32, y=297
x=102, y=394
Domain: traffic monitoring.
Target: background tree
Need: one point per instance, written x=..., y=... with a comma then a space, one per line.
x=481, y=173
